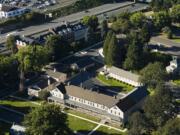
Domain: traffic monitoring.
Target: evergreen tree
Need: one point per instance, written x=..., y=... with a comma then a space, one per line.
x=106, y=43
x=112, y=53
x=134, y=55
x=104, y=29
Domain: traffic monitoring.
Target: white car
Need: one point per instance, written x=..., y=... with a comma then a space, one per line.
x=83, y=52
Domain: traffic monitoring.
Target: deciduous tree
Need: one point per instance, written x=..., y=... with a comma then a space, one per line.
x=46, y=120
x=11, y=44
x=153, y=74
x=31, y=58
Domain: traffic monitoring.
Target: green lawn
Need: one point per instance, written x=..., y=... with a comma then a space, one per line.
x=176, y=40
x=176, y=82
x=79, y=125
x=18, y=105
x=125, y=88
x=178, y=101
x=84, y=115
x=4, y=128
x=151, y=91
x=106, y=131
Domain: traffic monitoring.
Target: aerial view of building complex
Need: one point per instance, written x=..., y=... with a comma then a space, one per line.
x=89, y=67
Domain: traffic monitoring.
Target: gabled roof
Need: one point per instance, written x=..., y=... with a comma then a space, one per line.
x=124, y=73
x=132, y=98
x=27, y=40
x=89, y=95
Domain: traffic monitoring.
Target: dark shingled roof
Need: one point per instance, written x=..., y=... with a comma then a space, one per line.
x=132, y=98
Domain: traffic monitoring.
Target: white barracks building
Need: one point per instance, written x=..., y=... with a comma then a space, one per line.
x=7, y=11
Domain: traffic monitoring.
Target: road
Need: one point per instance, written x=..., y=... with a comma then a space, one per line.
x=107, y=8
x=168, y=46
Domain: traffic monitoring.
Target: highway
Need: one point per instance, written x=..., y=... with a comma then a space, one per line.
x=107, y=8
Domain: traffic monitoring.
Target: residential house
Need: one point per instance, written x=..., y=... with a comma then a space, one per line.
x=43, y=83
x=57, y=71
x=71, y=32
x=7, y=11
x=115, y=108
x=174, y=66
x=23, y=41
x=17, y=130
x=123, y=75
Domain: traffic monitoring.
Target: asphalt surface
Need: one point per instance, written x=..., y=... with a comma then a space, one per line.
x=167, y=46
x=109, y=9
x=10, y=116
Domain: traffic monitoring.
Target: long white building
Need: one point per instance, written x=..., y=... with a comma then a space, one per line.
x=115, y=108
x=7, y=11
x=123, y=76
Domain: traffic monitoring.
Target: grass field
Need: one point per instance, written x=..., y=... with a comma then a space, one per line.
x=18, y=105
x=82, y=115
x=176, y=82
x=125, y=88
x=79, y=125
x=176, y=40
x=106, y=131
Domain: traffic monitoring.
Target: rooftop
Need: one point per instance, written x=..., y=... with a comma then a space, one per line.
x=28, y=40
x=124, y=73
x=89, y=95
x=42, y=83
x=7, y=8
x=132, y=98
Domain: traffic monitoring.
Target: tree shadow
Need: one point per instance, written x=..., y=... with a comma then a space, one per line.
x=83, y=132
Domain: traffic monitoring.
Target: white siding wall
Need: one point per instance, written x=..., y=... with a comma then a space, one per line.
x=124, y=80
x=57, y=93
x=89, y=103
x=12, y=13
x=116, y=111
x=20, y=43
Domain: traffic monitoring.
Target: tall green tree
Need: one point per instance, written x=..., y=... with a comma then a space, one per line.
x=104, y=28
x=8, y=70
x=175, y=13
x=161, y=19
x=121, y=26
x=158, y=5
x=138, y=124
x=158, y=107
x=31, y=58
x=106, y=43
x=138, y=19
x=11, y=43
x=91, y=21
x=57, y=46
x=113, y=52
x=134, y=54
x=153, y=74
x=145, y=34
x=172, y=127
x=46, y=120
